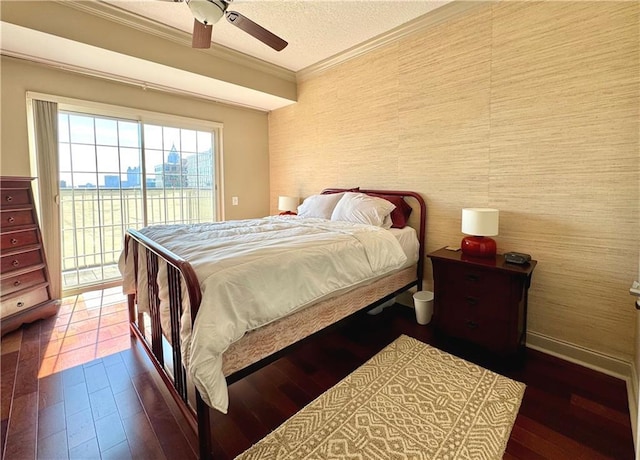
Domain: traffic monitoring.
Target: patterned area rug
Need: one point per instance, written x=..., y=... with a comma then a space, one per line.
x=410, y=401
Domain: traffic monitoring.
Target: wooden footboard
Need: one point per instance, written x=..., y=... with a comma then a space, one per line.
x=149, y=258
x=173, y=374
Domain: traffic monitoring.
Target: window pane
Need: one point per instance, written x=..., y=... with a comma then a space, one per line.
x=84, y=180
x=64, y=157
x=81, y=129
x=106, y=132
x=83, y=157
x=128, y=134
x=108, y=159
x=189, y=141
x=153, y=158
x=63, y=128
x=171, y=138
x=153, y=137
x=129, y=158
x=204, y=141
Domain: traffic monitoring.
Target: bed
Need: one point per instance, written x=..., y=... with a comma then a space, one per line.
x=205, y=302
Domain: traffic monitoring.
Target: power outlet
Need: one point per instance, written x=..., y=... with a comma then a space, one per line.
x=234, y=200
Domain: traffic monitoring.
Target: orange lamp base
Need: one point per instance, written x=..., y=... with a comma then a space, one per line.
x=478, y=246
x=288, y=213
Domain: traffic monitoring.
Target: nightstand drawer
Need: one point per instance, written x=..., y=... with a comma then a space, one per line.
x=15, y=197
x=480, y=304
x=21, y=260
x=477, y=282
x=23, y=300
x=19, y=239
x=22, y=281
x=15, y=218
x=492, y=334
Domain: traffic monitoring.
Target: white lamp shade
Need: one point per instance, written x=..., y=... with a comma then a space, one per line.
x=288, y=203
x=480, y=221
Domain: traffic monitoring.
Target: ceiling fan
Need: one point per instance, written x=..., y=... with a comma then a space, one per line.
x=208, y=12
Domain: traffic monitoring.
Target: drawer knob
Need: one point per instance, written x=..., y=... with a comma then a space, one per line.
x=14, y=241
x=12, y=219
x=17, y=283
x=471, y=300
x=15, y=263
x=472, y=325
x=20, y=304
x=9, y=198
x=472, y=278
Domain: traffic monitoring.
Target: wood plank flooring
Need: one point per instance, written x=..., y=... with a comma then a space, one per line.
x=113, y=406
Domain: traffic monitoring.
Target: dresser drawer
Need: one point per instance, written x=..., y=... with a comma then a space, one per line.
x=21, y=260
x=12, y=197
x=14, y=218
x=19, y=239
x=22, y=300
x=26, y=280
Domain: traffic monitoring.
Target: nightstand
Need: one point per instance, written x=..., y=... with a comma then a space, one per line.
x=482, y=301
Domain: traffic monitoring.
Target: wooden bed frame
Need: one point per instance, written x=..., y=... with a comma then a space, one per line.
x=179, y=271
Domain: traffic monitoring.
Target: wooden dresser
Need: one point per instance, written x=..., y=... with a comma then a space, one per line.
x=24, y=279
x=483, y=301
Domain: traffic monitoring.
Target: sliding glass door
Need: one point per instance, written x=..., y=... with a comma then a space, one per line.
x=118, y=173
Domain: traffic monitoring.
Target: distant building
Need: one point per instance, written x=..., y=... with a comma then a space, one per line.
x=133, y=177
x=112, y=181
x=200, y=169
x=173, y=172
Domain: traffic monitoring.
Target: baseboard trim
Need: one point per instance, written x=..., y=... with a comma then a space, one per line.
x=579, y=355
x=632, y=395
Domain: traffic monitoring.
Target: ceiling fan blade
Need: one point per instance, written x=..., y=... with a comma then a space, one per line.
x=201, y=35
x=256, y=30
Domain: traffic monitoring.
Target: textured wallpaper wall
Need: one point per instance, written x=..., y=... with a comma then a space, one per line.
x=532, y=108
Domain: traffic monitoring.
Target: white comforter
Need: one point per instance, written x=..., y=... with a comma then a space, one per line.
x=252, y=272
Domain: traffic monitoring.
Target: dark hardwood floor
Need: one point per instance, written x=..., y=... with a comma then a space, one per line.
x=114, y=407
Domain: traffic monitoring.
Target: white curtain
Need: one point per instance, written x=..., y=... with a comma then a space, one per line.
x=45, y=126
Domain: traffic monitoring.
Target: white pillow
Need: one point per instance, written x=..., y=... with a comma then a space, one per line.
x=388, y=222
x=319, y=205
x=363, y=209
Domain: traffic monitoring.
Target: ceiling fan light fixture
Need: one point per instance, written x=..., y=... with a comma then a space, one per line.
x=207, y=11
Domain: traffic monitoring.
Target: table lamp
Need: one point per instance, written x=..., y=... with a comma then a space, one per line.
x=288, y=205
x=479, y=224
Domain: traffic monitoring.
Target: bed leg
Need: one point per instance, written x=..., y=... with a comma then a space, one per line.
x=204, y=428
x=131, y=302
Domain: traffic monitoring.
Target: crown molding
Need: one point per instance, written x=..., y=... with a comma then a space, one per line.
x=437, y=16
x=127, y=19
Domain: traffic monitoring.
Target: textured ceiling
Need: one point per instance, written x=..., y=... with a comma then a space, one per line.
x=315, y=29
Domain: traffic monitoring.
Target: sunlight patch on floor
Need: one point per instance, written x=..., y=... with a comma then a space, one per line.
x=88, y=326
